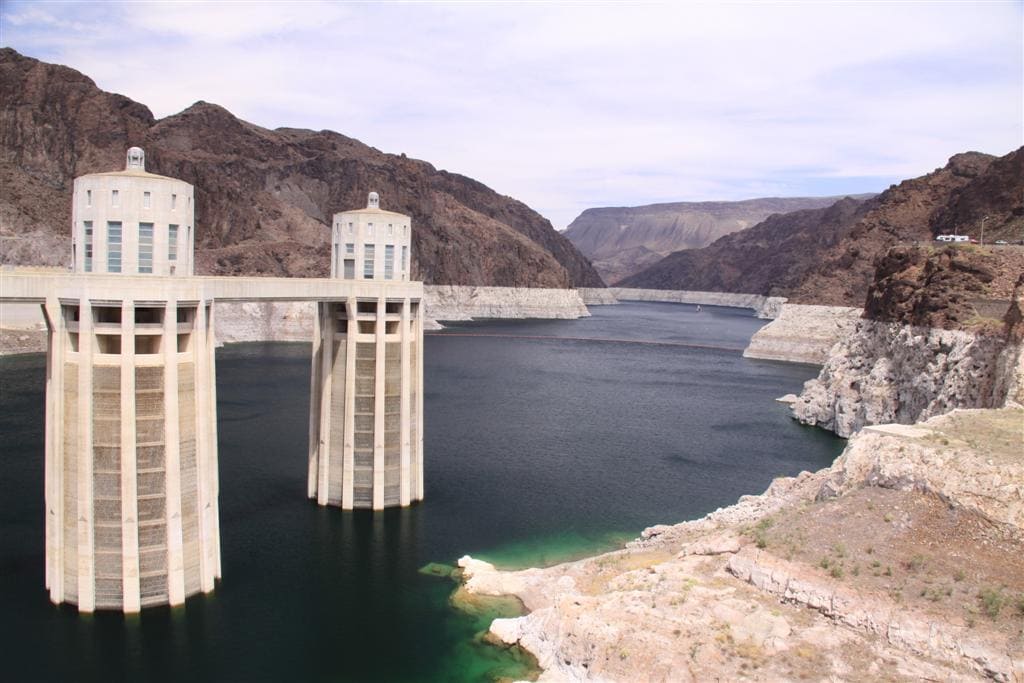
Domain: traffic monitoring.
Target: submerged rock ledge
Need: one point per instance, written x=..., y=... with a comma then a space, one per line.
x=900, y=561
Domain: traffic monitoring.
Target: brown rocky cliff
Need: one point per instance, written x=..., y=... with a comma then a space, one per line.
x=828, y=256
x=264, y=197
x=930, y=287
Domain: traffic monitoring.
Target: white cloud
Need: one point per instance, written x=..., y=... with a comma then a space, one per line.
x=567, y=106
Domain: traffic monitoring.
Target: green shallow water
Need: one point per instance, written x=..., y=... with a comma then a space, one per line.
x=542, y=444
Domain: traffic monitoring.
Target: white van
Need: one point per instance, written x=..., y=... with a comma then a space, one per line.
x=952, y=238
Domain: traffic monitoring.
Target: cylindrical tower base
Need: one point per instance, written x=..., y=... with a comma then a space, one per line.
x=366, y=403
x=131, y=478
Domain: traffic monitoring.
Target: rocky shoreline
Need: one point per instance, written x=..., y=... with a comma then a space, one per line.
x=901, y=561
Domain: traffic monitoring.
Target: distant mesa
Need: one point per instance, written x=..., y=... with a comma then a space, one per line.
x=621, y=241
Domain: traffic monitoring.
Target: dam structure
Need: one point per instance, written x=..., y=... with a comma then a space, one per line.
x=131, y=476
x=366, y=398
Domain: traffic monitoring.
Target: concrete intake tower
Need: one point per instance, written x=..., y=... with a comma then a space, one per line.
x=131, y=482
x=131, y=441
x=366, y=403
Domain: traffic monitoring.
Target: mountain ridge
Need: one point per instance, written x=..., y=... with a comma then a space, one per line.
x=621, y=241
x=828, y=256
x=264, y=197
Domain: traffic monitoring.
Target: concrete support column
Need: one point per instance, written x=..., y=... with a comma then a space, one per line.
x=405, y=424
x=204, y=409
x=213, y=509
x=418, y=465
x=315, y=381
x=129, y=469
x=172, y=458
x=348, y=455
x=87, y=346
x=56, y=342
x=378, y=407
x=324, y=315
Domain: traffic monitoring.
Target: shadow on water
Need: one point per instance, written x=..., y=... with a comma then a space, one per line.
x=538, y=450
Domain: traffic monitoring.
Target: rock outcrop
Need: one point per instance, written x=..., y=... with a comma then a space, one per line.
x=827, y=256
x=264, y=197
x=803, y=334
x=930, y=287
x=924, y=351
x=890, y=372
x=621, y=241
x=899, y=562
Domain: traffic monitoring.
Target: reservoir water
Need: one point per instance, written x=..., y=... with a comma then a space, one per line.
x=544, y=440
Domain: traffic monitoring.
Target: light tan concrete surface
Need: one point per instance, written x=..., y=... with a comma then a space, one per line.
x=365, y=446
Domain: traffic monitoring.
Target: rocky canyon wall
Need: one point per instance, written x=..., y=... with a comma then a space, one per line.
x=890, y=372
x=922, y=348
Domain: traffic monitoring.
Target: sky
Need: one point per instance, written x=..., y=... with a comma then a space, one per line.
x=572, y=105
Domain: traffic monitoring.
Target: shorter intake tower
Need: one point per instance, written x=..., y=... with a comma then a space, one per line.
x=366, y=403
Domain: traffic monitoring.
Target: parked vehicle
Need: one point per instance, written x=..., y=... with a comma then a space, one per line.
x=952, y=238
x=1001, y=242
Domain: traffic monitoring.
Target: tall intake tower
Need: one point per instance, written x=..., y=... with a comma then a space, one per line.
x=366, y=403
x=131, y=442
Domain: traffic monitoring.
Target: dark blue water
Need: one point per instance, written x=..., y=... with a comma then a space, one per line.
x=544, y=439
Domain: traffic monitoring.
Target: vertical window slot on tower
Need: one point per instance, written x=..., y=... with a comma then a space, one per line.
x=172, y=242
x=145, y=247
x=389, y=262
x=114, y=246
x=368, y=256
x=88, y=246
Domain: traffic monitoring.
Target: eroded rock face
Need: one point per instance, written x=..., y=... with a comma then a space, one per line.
x=922, y=349
x=263, y=197
x=926, y=287
x=889, y=372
